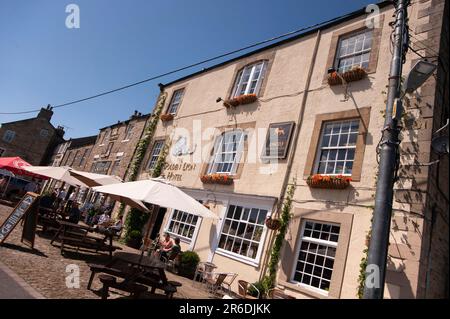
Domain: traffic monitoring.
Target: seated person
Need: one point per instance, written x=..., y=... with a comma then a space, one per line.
x=176, y=249
x=47, y=201
x=165, y=246
x=117, y=227
x=104, y=218
x=74, y=213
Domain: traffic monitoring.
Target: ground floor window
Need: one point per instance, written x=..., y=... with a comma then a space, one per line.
x=242, y=231
x=182, y=224
x=317, y=251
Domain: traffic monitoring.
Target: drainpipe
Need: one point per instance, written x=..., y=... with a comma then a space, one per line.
x=294, y=143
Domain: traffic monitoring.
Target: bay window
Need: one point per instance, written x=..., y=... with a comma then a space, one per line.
x=242, y=232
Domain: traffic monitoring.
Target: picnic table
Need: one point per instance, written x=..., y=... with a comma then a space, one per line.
x=135, y=269
x=48, y=218
x=78, y=235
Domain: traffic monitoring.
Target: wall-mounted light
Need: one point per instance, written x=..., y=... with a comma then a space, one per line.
x=419, y=73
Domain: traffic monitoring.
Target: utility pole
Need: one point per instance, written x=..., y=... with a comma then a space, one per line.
x=381, y=224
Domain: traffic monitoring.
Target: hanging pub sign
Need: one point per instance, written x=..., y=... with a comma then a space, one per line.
x=277, y=140
x=22, y=208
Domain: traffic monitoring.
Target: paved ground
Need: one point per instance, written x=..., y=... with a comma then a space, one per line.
x=13, y=287
x=45, y=269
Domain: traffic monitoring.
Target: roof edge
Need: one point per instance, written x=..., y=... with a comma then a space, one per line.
x=343, y=18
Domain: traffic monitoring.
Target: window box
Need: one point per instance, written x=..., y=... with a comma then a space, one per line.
x=223, y=179
x=166, y=117
x=273, y=223
x=354, y=74
x=326, y=181
x=240, y=100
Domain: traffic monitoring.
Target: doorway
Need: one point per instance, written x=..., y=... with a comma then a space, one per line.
x=158, y=223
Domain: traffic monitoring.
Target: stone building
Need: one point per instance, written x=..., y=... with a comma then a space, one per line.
x=115, y=145
x=32, y=139
x=77, y=152
x=284, y=95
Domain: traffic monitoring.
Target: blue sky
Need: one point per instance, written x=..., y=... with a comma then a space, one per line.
x=119, y=42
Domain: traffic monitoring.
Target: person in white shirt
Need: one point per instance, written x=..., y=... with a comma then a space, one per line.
x=62, y=194
x=104, y=218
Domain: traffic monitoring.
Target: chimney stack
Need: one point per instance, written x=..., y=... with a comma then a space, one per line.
x=46, y=113
x=60, y=131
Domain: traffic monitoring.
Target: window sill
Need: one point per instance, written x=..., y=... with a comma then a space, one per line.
x=240, y=100
x=307, y=291
x=353, y=75
x=328, y=181
x=236, y=257
x=124, y=141
x=166, y=117
x=222, y=179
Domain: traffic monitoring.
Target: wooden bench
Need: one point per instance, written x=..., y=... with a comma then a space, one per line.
x=88, y=243
x=152, y=279
x=108, y=281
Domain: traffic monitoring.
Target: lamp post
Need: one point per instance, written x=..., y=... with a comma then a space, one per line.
x=389, y=148
x=378, y=247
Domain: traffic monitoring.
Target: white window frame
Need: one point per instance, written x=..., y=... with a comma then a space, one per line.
x=179, y=94
x=151, y=164
x=244, y=259
x=337, y=148
x=240, y=86
x=9, y=136
x=219, y=153
x=315, y=241
x=363, y=51
x=187, y=240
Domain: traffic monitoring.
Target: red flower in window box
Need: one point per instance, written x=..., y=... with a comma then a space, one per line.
x=166, y=117
x=273, y=223
x=327, y=181
x=223, y=179
x=355, y=74
x=240, y=100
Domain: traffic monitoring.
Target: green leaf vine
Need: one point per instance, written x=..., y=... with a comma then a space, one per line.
x=285, y=217
x=161, y=161
x=135, y=220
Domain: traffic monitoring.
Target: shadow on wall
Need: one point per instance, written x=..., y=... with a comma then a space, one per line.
x=362, y=85
x=397, y=283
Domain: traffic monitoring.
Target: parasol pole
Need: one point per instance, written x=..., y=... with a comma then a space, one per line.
x=147, y=231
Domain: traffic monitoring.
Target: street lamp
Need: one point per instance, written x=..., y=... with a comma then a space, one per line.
x=419, y=73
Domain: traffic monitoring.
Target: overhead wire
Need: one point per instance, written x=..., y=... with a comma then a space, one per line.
x=185, y=67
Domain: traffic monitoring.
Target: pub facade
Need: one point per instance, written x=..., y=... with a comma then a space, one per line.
x=238, y=135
